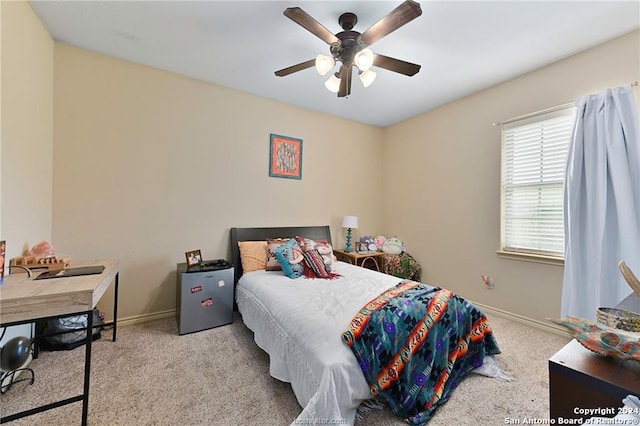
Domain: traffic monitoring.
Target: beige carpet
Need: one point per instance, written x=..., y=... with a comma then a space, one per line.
x=153, y=376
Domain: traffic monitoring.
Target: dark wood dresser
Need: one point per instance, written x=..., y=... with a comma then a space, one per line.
x=580, y=379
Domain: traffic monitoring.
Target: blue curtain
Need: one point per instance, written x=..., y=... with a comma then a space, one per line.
x=601, y=202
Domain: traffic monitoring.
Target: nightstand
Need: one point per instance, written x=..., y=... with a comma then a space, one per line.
x=365, y=260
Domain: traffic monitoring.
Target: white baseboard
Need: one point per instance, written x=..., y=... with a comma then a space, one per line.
x=541, y=325
x=138, y=319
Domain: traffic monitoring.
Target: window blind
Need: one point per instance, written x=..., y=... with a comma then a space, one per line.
x=534, y=154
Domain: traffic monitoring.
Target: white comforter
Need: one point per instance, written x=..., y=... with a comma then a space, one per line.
x=299, y=323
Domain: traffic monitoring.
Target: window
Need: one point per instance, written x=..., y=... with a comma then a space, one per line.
x=534, y=154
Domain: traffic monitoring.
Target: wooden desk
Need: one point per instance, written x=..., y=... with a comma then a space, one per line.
x=581, y=379
x=24, y=300
x=360, y=259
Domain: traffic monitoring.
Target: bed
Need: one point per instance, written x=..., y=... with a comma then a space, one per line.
x=305, y=324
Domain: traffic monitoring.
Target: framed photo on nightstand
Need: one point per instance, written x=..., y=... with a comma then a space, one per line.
x=362, y=247
x=194, y=258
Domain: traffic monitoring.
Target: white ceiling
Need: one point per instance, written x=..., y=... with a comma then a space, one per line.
x=463, y=47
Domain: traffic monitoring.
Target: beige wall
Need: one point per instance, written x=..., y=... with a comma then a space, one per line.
x=26, y=150
x=443, y=184
x=149, y=164
x=26, y=138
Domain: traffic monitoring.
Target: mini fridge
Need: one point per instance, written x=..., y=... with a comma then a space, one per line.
x=204, y=298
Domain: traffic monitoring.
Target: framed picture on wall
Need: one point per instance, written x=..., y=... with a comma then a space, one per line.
x=285, y=157
x=194, y=258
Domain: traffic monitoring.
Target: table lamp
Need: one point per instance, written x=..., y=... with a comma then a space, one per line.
x=349, y=222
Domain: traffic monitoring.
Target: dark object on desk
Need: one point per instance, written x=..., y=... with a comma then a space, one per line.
x=71, y=272
x=210, y=265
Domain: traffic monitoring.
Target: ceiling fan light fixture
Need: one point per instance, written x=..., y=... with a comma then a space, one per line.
x=350, y=47
x=367, y=77
x=324, y=64
x=364, y=59
x=333, y=83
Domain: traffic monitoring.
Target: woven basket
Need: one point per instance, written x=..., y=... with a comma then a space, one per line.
x=618, y=318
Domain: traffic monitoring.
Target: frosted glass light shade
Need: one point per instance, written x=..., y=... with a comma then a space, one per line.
x=364, y=59
x=350, y=222
x=333, y=84
x=324, y=64
x=368, y=77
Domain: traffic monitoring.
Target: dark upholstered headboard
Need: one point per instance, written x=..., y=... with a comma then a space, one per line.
x=261, y=234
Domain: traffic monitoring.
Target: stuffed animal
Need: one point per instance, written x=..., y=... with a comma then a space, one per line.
x=379, y=242
x=368, y=241
x=392, y=246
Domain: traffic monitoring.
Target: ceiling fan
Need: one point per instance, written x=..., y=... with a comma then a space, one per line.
x=351, y=48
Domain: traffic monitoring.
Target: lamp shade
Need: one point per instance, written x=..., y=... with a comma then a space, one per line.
x=364, y=59
x=367, y=77
x=324, y=64
x=332, y=84
x=350, y=222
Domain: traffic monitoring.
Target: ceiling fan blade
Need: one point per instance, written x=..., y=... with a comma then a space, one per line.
x=295, y=68
x=305, y=20
x=406, y=12
x=396, y=65
x=345, y=81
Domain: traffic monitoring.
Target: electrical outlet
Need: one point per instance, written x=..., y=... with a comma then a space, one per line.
x=487, y=281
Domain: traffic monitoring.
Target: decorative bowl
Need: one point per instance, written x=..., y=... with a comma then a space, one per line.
x=618, y=318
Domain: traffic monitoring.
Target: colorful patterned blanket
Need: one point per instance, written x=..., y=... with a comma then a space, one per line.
x=415, y=343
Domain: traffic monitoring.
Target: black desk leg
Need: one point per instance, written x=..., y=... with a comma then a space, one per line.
x=115, y=309
x=87, y=368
